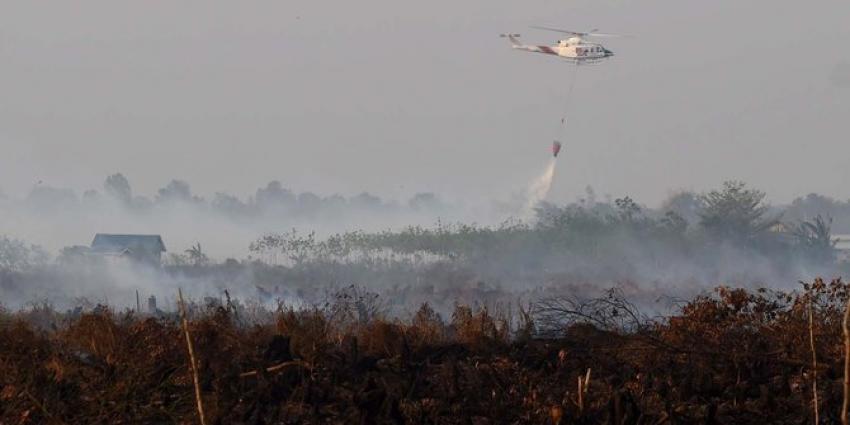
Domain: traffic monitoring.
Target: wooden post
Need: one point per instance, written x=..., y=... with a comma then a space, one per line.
x=138, y=304
x=192, y=361
x=580, y=396
x=814, y=362
x=846, y=326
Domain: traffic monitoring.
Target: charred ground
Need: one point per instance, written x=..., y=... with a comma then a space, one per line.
x=729, y=357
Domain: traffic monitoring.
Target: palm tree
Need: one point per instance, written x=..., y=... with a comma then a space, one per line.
x=197, y=256
x=815, y=237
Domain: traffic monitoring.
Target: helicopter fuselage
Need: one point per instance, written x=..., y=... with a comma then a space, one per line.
x=573, y=48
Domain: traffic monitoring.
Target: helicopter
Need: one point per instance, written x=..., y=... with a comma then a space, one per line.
x=574, y=48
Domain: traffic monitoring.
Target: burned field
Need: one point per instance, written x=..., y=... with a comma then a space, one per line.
x=456, y=324
x=729, y=357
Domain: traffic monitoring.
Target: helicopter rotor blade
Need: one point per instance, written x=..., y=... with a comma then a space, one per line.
x=560, y=30
x=605, y=34
x=591, y=33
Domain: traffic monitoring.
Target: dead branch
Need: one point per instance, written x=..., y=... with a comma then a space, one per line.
x=611, y=312
x=278, y=367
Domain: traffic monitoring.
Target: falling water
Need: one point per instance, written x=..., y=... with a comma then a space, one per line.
x=538, y=189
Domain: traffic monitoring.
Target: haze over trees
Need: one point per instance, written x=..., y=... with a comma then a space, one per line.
x=735, y=234
x=17, y=255
x=694, y=241
x=701, y=234
x=731, y=211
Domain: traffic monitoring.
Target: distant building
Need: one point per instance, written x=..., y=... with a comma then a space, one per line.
x=779, y=228
x=842, y=248
x=145, y=249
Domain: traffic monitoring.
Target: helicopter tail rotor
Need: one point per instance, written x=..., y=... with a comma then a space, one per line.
x=513, y=38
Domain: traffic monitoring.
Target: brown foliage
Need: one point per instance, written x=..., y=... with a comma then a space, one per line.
x=730, y=357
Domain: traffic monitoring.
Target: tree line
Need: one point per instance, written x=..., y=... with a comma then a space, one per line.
x=733, y=222
x=271, y=199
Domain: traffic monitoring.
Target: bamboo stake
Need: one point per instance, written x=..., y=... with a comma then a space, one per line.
x=580, y=396
x=192, y=361
x=814, y=363
x=846, y=328
x=583, y=383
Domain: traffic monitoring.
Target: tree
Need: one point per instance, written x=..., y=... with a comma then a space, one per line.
x=673, y=223
x=15, y=255
x=426, y=201
x=628, y=209
x=196, y=255
x=812, y=205
x=229, y=205
x=91, y=197
x=686, y=205
x=297, y=248
x=118, y=187
x=366, y=201
x=815, y=239
x=176, y=190
x=72, y=254
x=274, y=196
x=735, y=212
x=177, y=260
x=309, y=203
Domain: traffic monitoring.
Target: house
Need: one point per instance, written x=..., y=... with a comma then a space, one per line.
x=842, y=248
x=144, y=249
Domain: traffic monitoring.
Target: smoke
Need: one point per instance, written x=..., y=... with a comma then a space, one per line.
x=538, y=190
x=579, y=248
x=115, y=282
x=224, y=225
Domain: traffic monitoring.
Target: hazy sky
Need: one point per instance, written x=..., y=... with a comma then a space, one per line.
x=396, y=97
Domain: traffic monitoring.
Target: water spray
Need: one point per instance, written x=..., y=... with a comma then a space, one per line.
x=539, y=189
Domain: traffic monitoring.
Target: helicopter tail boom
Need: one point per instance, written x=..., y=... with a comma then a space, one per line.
x=513, y=39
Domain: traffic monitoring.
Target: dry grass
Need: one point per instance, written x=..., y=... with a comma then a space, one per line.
x=732, y=357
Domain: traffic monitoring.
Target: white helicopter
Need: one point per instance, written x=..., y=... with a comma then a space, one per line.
x=574, y=48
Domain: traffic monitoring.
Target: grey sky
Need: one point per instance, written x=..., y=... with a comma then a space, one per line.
x=398, y=97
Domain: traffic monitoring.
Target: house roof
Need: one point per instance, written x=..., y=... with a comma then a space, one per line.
x=842, y=242
x=104, y=242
